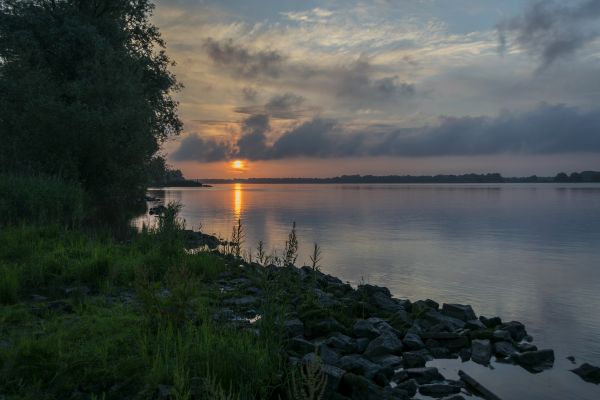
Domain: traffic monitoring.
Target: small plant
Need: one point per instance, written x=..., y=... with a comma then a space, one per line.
x=237, y=238
x=291, y=247
x=316, y=258
x=310, y=385
x=260, y=253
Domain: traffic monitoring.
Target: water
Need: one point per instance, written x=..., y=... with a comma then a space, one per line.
x=527, y=252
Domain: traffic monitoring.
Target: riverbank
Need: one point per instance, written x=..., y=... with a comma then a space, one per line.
x=85, y=316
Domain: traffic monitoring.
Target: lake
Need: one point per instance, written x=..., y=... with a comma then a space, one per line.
x=527, y=252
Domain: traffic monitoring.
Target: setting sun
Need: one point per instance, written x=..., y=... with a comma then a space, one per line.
x=237, y=164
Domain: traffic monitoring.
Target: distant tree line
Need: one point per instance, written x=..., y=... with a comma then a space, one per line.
x=85, y=94
x=585, y=176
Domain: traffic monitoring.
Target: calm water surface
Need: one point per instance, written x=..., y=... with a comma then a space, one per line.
x=528, y=252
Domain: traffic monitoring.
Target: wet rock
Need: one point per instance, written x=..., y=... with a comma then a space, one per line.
x=535, y=361
x=389, y=361
x=409, y=386
x=424, y=375
x=588, y=373
x=481, y=351
x=342, y=343
x=501, y=335
x=403, y=316
x=327, y=355
x=459, y=311
x=323, y=327
x=454, y=397
x=475, y=324
x=438, y=389
x=413, y=341
x=386, y=343
x=491, y=322
x=432, y=318
x=504, y=349
x=465, y=355
x=413, y=360
x=361, y=345
x=524, y=347
x=358, y=365
x=334, y=376
x=572, y=359
x=293, y=328
x=516, y=329
x=365, y=329
x=420, y=306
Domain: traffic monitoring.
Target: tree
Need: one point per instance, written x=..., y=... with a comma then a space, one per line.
x=85, y=93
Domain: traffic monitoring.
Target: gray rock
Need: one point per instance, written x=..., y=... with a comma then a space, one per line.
x=342, y=343
x=501, y=335
x=357, y=387
x=421, y=306
x=424, y=375
x=524, y=347
x=242, y=301
x=400, y=376
x=334, y=376
x=293, y=328
x=454, y=397
x=325, y=299
x=386, y=343
x=358, y=365
x=413, y=359
x=413, y=341
x=311, y=358
x=389, y=361
x=474, y=325
x=438, y=389
x=390, y=393
x=323, y=327
x=365, y=329
x=490, y=322
x=516, y=329
x=588, y=373
x=481, y=351
x=504, y=349
x=465, y=355
x=535, y=361
x=410, y=386
x=432, y=317
x=403, y=316
x=361, y=345
x=328, y=355
x=77, y=291
x=459, y=311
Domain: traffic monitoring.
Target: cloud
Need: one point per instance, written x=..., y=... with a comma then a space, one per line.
x=193, y=147
x=243, y=62
x=547, y=129
x=551, y=30
x=249, y=93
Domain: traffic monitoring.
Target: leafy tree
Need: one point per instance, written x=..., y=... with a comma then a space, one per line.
x=85, y=93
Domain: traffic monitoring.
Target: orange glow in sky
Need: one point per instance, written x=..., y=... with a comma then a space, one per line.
x=237, y=164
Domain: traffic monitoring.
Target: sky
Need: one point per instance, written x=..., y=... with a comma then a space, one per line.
x=324, y=88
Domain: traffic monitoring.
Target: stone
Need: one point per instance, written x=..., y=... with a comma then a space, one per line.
x=465, y=355
x=323, y=327
x=389, y=361
x=481, y=351
x=365, y=329
x=390, y=393
x=453, y=397
x=409, y=386
x=413, y=341
x=474, y=325
x=77, y=291
x=358, y=365
x=334, y=376
x=438, y=389
x=325, y=299
x=442, y=352
x=535, y=361
x=311, y=358
x=361, y=345
x=524, y=347
x=516, y=329
x=242, y=301
x=421, y=306
x=293, y=328
x=403, y=316
x=490, y=322
x=504, y=349
x=572, y=359
x=327, y=355
x=433, y=317
x=301, y=346
x=424, y=375
x=413, y=360
x=163, y=392
x=386, y=343
x=357, y=387
x=342, y=343
x=588, y=373
x=501, y=335
x=459, y=311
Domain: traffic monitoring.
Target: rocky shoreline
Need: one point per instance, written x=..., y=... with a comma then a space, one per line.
x=370, y=345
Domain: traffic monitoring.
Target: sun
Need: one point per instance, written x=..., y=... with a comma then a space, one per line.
x=237, y=164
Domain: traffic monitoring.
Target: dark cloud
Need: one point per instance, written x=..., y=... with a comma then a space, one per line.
x=548, y=129
x=195, y=148
x=286, y=105
x=249, y=93
x=243, y=62
x=551, y=30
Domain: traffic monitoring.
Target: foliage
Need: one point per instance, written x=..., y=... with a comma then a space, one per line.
x=291, y=247
x=85, y=93
x=308, y=383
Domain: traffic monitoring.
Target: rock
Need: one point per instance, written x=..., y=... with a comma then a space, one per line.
x=242, y=301
x=382, y=377
x=5, y=344
x=438, y=389
x=433, y=317
x=358, y=365
x=465, y=355
x=410, y=386
x=459, y=311
x=163, y=392
x=413, y=360
x=77, y=291
x=535, y=361
x=293, y=328
x=311, y=358
x=424, y=375
x=390, y=393
x=524, y=347
x=361, y=345
x=442, y=352
x=327, y=355
x=323, y=327
x=474, y=325
x=365, y=329
x=389, y=361
x=344, y=344
x=386, y=343
x=454, y=397
x=504, y=349
x=379, y=296
x=301, y=346
x=60, y=306
x=588, y=373
x=413, y=341
x=481, y=351
x=402, y=316
x=326, y=299
x=516, y=329
x=334, y=376
x=490, y=322
x=572, y=359
x=400, y=376
x=421, y=306
x=357, y=387
x=501, y=335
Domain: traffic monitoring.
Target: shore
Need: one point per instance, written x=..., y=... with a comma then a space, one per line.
x=86, y=316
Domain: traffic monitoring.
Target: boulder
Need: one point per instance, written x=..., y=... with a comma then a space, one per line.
x=588, y=373
x=524, y=347
x=421, y=306
x=501, y=335
x=465, y=355
x=516, y=329
x=535, y=361
x=409, y=386
x=453, y=397
x=402, y=316
x=323, y=327
x=342, y=343
x=358, y=365
x=504, y=349
x=357, y=387
x=414, y=359
x=438, y=389
x=413, y=341
x=389, y=361
x=481, y=351
x=459, y=311
x=301, y=346
x=361, y=345
x=424, y=375
x=386, y=343
x=334, y=376
x=475, y=325
x=293, y=328
x=432, y=318
x=365, y=329
x=327, y=355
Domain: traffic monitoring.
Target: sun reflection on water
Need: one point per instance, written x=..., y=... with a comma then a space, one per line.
x=237, y=200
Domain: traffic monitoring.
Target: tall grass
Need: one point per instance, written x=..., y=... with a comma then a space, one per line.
x=40, y=200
